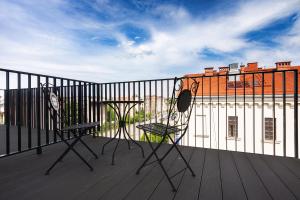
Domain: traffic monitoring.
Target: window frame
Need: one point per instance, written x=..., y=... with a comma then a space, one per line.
x=232, y=119
x=273, y=130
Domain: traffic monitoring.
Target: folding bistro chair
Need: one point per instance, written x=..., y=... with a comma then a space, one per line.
x=180, y=109
x=57, y=114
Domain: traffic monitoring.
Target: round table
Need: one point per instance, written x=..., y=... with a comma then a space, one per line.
x=128, y=105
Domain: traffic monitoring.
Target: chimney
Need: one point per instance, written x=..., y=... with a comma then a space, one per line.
x=283, y=65
x=209, y=71
x=223, y=70
x=251, y=67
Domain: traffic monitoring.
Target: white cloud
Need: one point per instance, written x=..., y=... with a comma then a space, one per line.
x=43, y=37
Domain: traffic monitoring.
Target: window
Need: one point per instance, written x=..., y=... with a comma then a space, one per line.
x=270, y=126
x=232, y=126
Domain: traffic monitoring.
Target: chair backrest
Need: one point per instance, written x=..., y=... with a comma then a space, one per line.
x=182, y=102
x=53, y=104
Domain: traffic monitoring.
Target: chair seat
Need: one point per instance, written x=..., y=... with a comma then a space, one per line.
x=159, y=128
x=81, y=126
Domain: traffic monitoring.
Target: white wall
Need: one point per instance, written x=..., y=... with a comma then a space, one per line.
x=253, y=134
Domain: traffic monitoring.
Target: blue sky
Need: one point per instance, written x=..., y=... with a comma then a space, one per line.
x=114, y=40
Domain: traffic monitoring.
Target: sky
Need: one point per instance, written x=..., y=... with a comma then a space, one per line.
x=119, y=40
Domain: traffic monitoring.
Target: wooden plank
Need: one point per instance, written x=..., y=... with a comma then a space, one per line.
x=276, y=188
x=26, y=168
x=232, y=185
x=189, y=186
x=163, y=189
x=253, y=186
x=287, y=178
x=210, y=187
x=143, y=189
x=292, y=164
x=110, y=176
x=61, y=183
x=122, y=188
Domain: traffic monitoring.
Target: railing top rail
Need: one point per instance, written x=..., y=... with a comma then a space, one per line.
x=148, y=80
x=43, y=75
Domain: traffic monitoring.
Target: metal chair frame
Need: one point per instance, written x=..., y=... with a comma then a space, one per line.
x=81, y=129
x=179, y=113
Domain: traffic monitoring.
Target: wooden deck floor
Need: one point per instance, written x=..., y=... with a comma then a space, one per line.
x=219, y=175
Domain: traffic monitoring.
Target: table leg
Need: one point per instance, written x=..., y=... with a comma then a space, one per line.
x=126, y=132
x=128, y=143
x=113, y=156
x=111, y=139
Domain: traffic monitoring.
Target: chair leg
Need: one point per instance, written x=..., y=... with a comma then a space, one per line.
x=111, y=139
x=150, y=155
x=67, y=143
x=161, y=165
x=70, y=147
x=183, y=158
x=95, y=155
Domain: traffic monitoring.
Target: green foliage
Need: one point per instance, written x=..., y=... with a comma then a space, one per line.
x=73, y=117
x=154, y=138
x=139, y=116
x=110, y=114
x=106, y=126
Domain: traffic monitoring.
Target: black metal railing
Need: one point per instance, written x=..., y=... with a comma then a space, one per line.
x=249, y=112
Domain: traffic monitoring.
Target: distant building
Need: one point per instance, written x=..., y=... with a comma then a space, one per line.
x=235, y=109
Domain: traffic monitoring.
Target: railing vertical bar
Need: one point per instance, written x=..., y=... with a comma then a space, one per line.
x=210, y=111
x=155, y=97
x=101, y=109
x=109, y=95
x=7, y=113
x=235, y=114
x=81, y=102
x=62, y=100
x=119, y=98
x=273, y=112
x=90, y=105
x=133, y=94
x=284, y=112
x=139, y=108
x=55, y=114
x=296, y=113
x=253, y=113
x=218, y=88
x=98, y=107
x=195, y=121
x=29, y=103
x=94, y=106
x=19, y=112
x=202, y=113
x=129, y=115
x=262, y=113
x=244, y=105
x=145, y=101
x=38, y=115
x=226, y=120
x=85, y=103
x=75, y=104
x=115, y=98
x=46, y=112
x=68, y=107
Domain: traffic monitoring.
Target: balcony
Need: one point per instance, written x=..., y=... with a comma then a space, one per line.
x=242, y=141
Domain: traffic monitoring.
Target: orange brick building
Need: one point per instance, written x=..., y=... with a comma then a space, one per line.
x=248, y=80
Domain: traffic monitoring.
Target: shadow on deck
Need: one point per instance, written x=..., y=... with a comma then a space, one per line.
x=219, y=175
